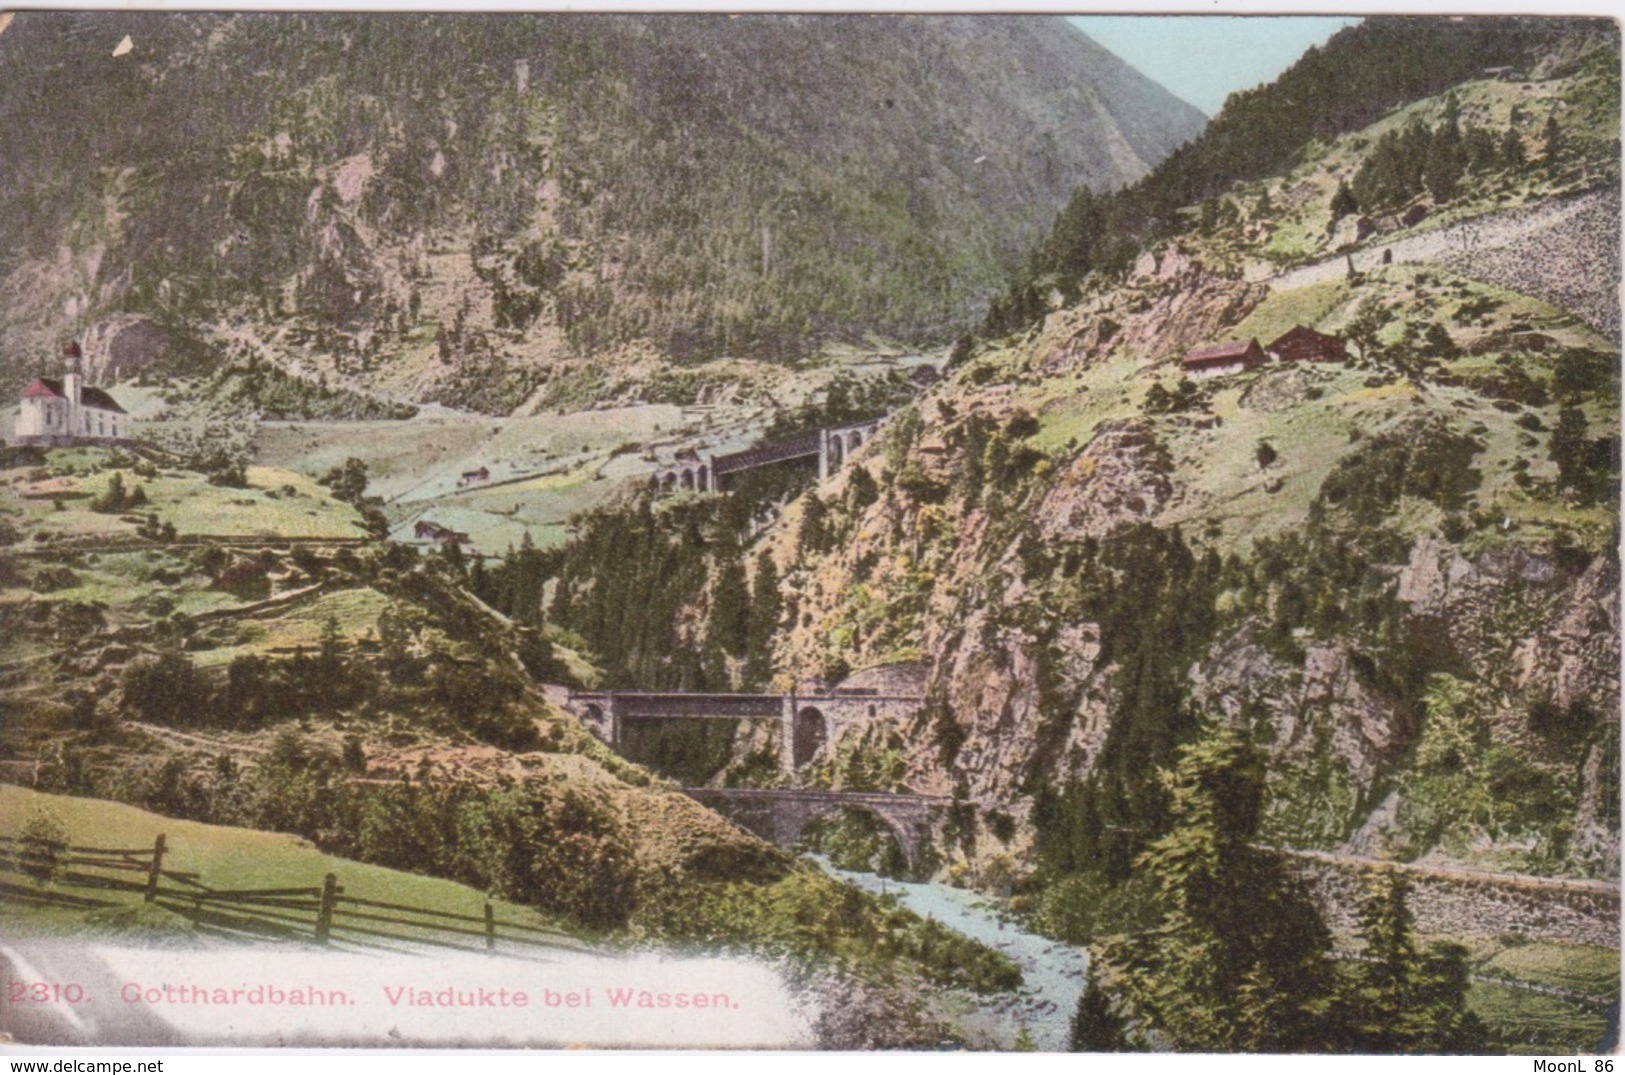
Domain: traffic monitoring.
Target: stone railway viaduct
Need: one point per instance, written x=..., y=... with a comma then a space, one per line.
x=693, y=472
x=808, y=723
x=1445, y=901
x=781, y=816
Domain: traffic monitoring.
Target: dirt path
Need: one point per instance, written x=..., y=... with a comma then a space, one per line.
x=1564, y=251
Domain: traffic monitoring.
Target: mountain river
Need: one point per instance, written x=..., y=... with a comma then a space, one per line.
x=1053, y=973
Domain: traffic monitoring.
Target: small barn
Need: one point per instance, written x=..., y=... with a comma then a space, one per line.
x=1303, y=344
x=1223, y=359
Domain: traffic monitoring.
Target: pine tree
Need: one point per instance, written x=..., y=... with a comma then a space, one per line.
x=1552, y=139
x=1512, y=154
x=765, y=607
x=1237, y=961
x=1096, y=1027
x=730, y=606
x=813, y=536
x=1405, y=1000
x=1343, y=202
x=861, y=489
x=1568, y=448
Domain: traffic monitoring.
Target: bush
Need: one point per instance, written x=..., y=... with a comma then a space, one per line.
x=165, y=689
x=44, y=843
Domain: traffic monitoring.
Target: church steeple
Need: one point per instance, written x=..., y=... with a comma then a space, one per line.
x=73, y=382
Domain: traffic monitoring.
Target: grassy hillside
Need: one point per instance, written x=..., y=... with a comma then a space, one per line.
x=222, y=856
x=360, y=701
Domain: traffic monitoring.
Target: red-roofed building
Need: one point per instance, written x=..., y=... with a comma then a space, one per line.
x=1223, y=359
x=1303, y=344
x=68, y=411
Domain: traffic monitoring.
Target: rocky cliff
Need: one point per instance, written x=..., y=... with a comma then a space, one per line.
x=1399, y=572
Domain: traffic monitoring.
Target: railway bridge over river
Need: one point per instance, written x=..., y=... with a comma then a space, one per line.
x=780, y=816
x=809, y=724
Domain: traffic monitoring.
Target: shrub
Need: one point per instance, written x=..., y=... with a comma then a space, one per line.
x=165, y=689
x=44, y=840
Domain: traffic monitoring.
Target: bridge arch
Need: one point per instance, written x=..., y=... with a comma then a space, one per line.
x=902, y=844
x=702, y=479
x=668, y=481
x=854, y=440
x=836, y=451
x=809, y=734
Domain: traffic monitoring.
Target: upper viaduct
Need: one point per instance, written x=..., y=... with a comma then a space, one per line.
x=808, y=723
x=692, y=472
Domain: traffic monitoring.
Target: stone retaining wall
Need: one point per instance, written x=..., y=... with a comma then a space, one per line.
x=1449, y=902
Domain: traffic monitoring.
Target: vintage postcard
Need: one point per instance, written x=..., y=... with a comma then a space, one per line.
x=810, y=531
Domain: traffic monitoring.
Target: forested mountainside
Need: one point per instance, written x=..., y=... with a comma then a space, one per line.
x=1396, y=572
x=1363, y=72
x=474, y=209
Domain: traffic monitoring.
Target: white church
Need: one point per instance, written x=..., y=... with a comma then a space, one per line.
x=68, y=411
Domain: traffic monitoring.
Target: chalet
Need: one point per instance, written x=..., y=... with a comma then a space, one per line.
x=1303, y=344
x=1223, y=359
x=68, y=411
x=428, y=531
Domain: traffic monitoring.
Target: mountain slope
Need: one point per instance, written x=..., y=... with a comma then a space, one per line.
x=453, y=207
x=1398, y=573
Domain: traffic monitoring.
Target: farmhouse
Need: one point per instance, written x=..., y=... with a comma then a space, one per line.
x=1223, y=359
x=68, y=411
x=1303, y=344
x=430, y=531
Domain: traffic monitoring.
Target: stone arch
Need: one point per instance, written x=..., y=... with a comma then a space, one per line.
x=808, y=736
x=818, y=813
x=688, y=479
x=854, y=440
x=668, y=481
x=702, y=479
x=835, y=451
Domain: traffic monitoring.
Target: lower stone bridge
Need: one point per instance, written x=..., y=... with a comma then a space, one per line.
x=809, y=724
x=781, y=816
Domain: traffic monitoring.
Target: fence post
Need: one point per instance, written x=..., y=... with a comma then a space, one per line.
x=155, y=871
x=324, y=913
x=490, y=928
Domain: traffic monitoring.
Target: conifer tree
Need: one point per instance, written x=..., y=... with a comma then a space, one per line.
x=1096, y=1026
x=813, y=535
x=765, y=606
x=1512, y=154
x=1404, y=999
x=1237, y=961
x=730, y=606
x=1343, y=202
x=1568, y=448
x=1552, y=138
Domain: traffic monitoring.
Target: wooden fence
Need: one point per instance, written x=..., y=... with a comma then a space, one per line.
x=320, y=913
